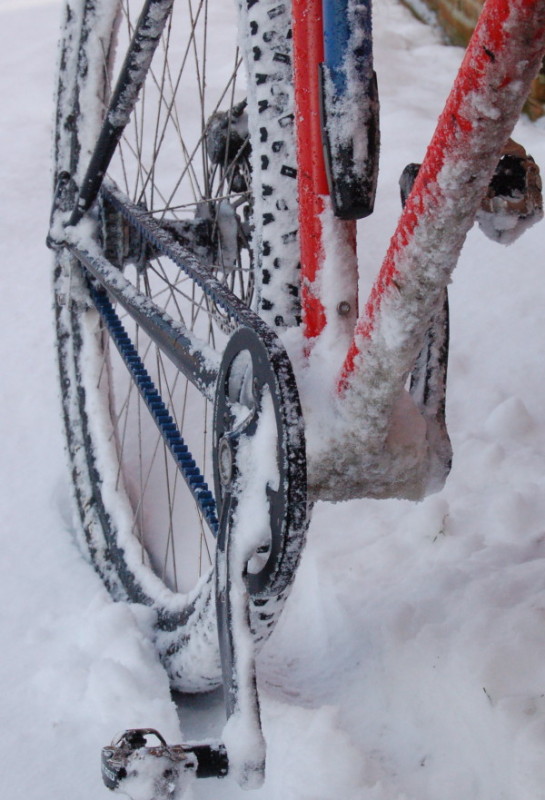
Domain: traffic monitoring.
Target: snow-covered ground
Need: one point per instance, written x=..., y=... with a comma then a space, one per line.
x=410, y=661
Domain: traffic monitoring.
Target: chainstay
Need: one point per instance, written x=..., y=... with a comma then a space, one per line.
x=154, y=234
x=158, y=410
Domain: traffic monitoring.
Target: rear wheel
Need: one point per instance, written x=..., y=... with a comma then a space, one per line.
x=184, y=160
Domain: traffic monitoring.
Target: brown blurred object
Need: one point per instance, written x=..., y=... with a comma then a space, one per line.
x=514, y=200
x=458, y=18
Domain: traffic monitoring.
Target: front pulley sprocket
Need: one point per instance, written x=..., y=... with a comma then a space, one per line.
x=257, y=396
x=260, y=483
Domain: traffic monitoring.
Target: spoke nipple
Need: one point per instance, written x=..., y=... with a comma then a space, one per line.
x=344, y=308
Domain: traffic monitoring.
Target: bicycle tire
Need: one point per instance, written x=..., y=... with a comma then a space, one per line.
x=110, y=484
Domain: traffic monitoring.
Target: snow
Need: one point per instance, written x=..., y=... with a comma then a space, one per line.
x=408, y=663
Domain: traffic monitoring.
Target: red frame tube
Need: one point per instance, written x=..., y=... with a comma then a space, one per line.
x=502, y=58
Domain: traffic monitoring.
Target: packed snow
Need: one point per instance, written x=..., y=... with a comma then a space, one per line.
x=409, y=661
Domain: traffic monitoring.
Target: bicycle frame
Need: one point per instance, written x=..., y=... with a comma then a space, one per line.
x=369, y=438
x=396, y=447
x=493, y=82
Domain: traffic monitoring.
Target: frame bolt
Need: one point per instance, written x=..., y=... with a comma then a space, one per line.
x=344, y=308
x=225, y=461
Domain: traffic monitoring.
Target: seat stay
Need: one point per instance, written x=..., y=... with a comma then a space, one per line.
x=145, y=38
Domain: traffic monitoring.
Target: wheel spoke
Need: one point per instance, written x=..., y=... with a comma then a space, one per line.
x=164, y=166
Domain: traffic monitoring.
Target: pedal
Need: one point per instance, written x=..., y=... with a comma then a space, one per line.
x=514, y=200
x=160, y=771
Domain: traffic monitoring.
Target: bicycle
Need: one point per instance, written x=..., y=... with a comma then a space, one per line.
x=158, y=288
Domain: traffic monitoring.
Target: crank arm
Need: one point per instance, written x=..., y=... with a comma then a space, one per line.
x=263, y=518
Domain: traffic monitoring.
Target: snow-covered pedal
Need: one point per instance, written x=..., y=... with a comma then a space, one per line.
x=514, y=200
x=158, y=771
